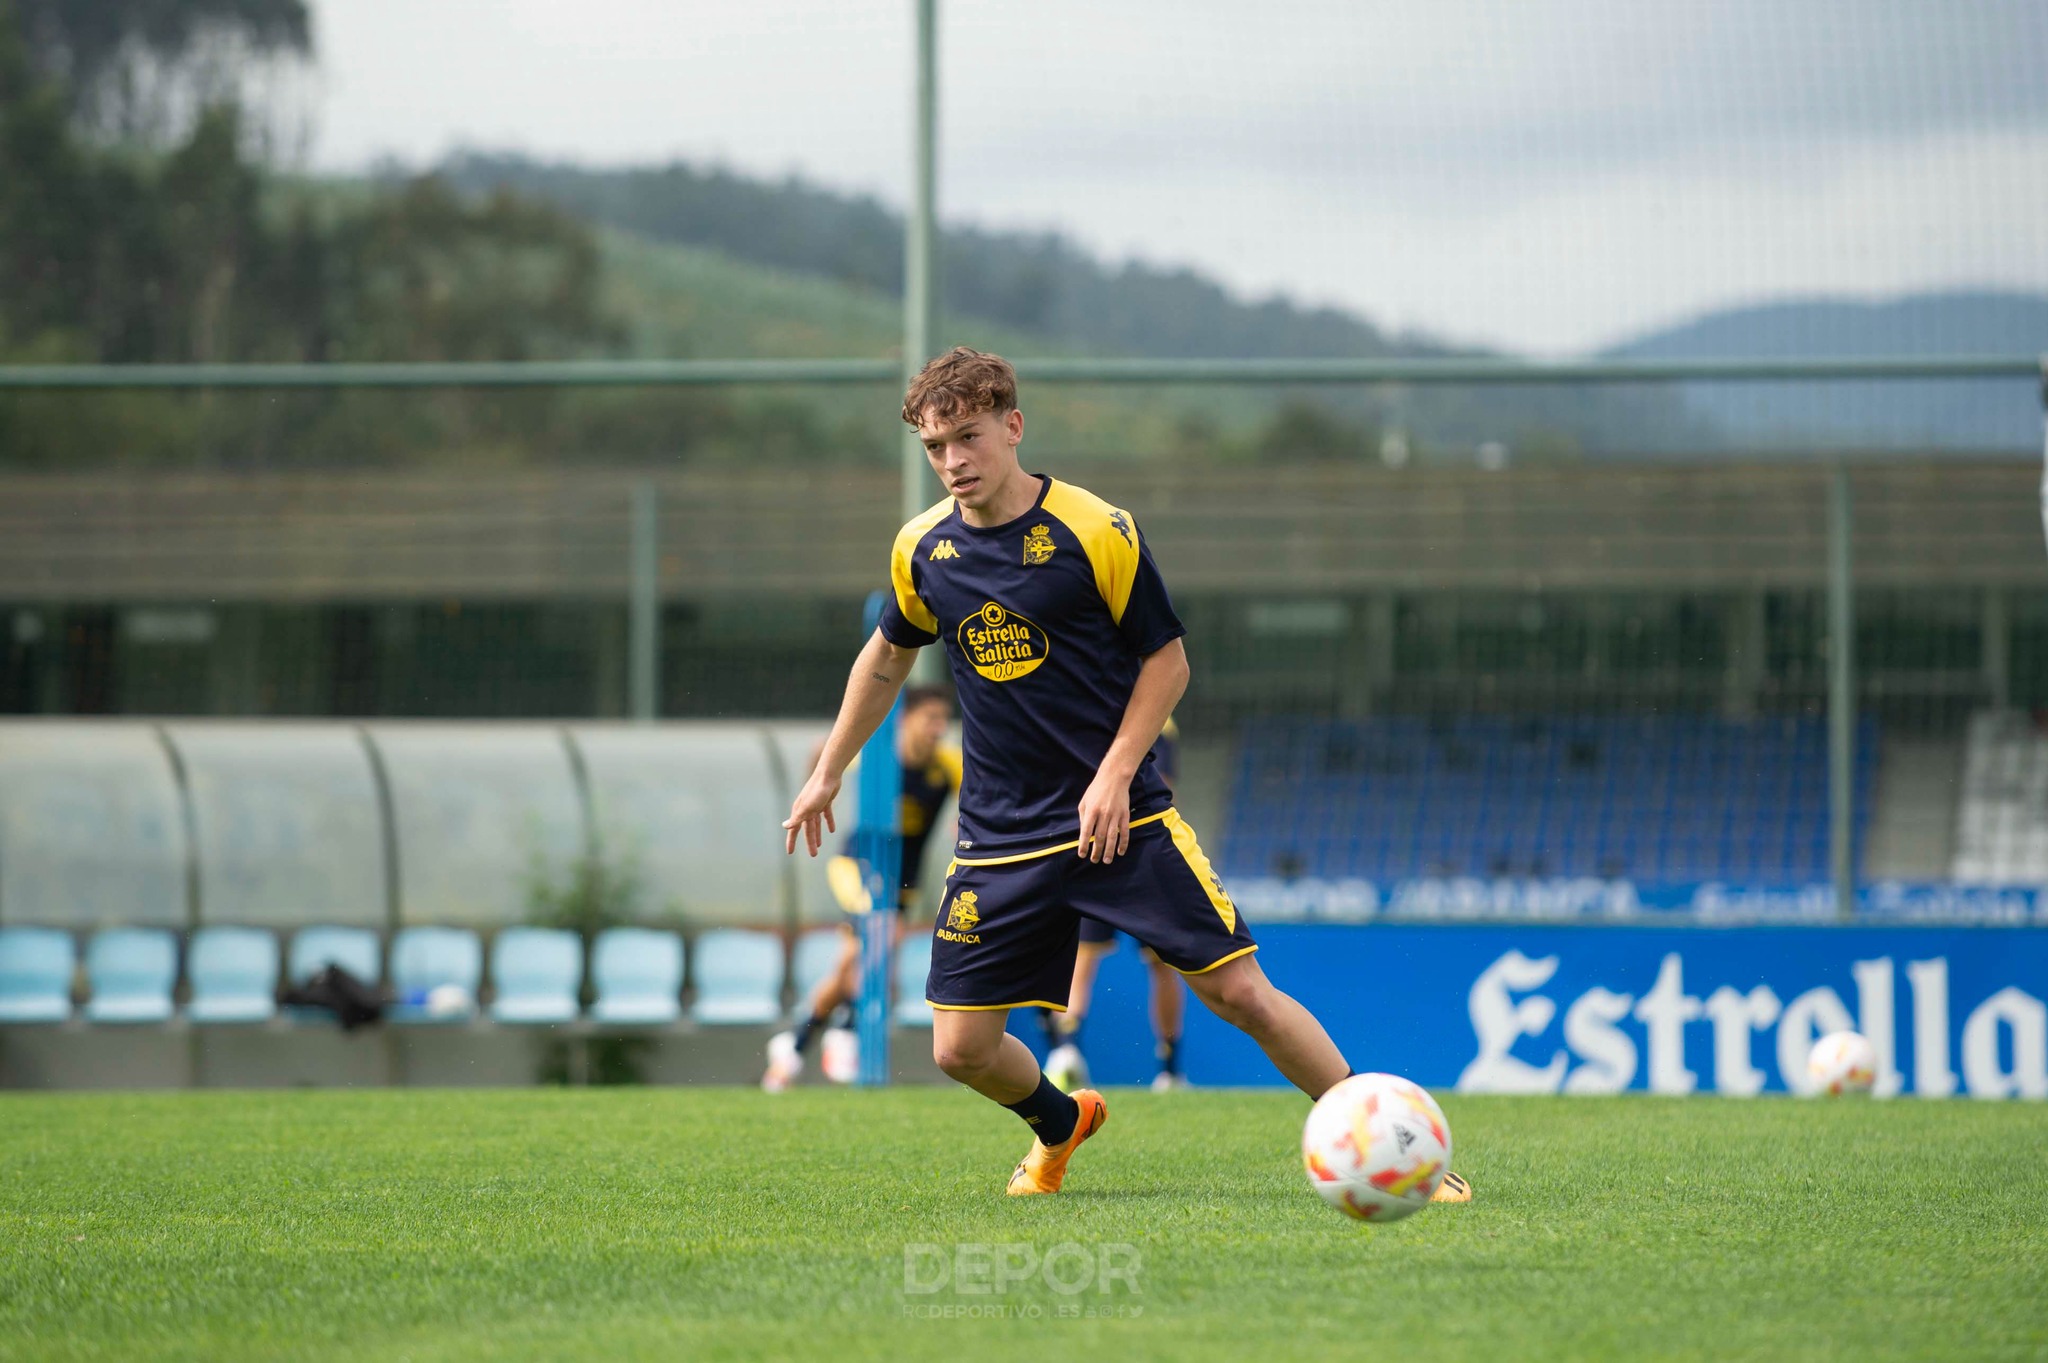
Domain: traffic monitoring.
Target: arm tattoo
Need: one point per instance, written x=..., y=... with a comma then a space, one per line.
x=882, y=677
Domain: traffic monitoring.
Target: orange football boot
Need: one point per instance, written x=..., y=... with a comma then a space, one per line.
x=1045, y=1168
x=1453, y=1189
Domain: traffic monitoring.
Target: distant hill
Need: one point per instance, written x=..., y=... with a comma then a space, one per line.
x=1043, y=295
x=1039, y=284
x=1987, y=415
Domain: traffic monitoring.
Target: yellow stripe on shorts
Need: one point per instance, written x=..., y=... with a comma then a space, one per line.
x=1198, y=862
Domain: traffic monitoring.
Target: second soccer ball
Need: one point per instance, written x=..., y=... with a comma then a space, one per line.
x=1842, y=1062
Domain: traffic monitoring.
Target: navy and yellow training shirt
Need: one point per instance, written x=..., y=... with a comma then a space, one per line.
x=1045, y=621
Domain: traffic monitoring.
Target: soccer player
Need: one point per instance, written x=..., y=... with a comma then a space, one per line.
x=931, y=775
x=1067, y=659
x=1065, y=1064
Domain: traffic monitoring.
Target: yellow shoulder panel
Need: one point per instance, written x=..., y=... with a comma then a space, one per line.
x=1110, y=537
x=907, y=601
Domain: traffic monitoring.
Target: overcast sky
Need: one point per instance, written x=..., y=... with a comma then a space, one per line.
x=1545, y=175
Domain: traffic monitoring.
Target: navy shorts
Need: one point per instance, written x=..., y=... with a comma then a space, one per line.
x=1008, y=930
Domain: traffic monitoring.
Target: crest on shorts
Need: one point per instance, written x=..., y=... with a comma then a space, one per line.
x=963, y=915
x=1038, y=545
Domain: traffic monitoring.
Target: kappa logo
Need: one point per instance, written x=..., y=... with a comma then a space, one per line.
x=1001, y=644
x=1038, y=545
x=961, y=920
x=944, y=549
x=1122, y=523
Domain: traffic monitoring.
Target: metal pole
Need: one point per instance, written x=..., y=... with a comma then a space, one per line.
x=643, y=645
x=1841, y=693
x=920, y=243
x=920, y=277
x=671, y=373
x=1995, y=648
x=2044, y=445
x=878, y=844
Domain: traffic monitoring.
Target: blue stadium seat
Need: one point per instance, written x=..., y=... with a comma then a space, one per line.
x=817, y=951
x=233, y=972
x=913, y=964
x=424, y=960
x=131, y=972
x=639, y=977
x=36, y=965
x=353, y=949
x=738, y=976
x=538, y=973
x=1647, y=797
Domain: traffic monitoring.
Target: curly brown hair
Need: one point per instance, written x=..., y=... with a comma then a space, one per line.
x=961, y=383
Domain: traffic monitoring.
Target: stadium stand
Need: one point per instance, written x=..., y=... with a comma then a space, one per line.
x=233, y=974
x=131, y=973
x=426, y=959
x=2002, y=814
x=1654, y=799
x=538, y=974
x=638, y=974
x=738, y=976
x=36, y=966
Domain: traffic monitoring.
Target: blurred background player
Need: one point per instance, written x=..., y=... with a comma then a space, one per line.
x=931, y=776
x=1065, y=1063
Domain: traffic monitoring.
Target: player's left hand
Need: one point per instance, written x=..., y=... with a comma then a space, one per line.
x=1106, y=818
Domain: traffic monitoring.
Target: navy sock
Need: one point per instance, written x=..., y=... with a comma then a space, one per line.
x=1050, y=1114
x=809, y=1028
x=1168, y=1053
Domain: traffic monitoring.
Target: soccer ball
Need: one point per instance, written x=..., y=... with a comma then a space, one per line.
x=1376, y=1146
x=1842, y=1062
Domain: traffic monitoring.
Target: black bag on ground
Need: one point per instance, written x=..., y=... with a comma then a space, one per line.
x=353, y=1002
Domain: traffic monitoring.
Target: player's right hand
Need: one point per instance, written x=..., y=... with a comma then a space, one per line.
x=813, y=806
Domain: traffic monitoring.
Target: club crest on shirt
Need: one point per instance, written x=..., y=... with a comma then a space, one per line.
x=1038, y=545
x=1001, y=644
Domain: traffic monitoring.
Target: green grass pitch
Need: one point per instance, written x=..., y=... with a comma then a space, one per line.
x=708, y=1223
